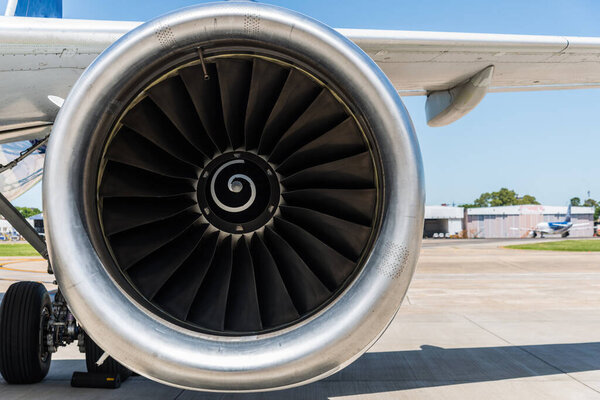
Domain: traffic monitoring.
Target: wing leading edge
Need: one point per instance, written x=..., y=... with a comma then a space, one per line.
x=421, y=62
x=50, y=54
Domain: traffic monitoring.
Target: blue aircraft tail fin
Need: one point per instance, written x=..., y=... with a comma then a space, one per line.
x=36, y=8
x=568, y=218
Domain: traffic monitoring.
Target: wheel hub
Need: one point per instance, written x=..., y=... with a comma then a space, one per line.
x=238, y=192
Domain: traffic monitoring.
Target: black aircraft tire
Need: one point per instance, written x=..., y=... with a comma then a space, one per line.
x=109, y=366
x=23, y=355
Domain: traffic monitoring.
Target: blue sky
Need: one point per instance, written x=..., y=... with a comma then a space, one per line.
x=540, y=143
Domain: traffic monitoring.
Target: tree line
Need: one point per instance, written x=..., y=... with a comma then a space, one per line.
x=28, y=211
x=503, y=197
x=576, y=201
x=507, y=197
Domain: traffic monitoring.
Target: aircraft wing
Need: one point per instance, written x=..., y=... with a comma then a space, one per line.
x=582, y=225
x=43, y=57
x=421, y=62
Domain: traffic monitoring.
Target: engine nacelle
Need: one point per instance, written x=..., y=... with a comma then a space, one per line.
x=234, y=199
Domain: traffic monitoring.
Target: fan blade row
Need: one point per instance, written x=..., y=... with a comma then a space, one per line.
x=206, y=96
x=120, y=180
x=306, y=290
x=328, y=265
x=354, y=172
x=234, y=82
x=123, y=213
x=172, y=98
x=210, y=305
x=324, y=113
x=297, y=94
x=275, y=303
x=132, y=149
x=179, y=292
x=134, y=244
x=154, y=270
x=266, y=84
x=212, y=279
x=224, y=287
x=243, y=313
x=147, y=119
x=345, y=237
x=343, y=141
x=354, y=205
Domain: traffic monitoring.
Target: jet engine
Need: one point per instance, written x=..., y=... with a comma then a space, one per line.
x=234, y=199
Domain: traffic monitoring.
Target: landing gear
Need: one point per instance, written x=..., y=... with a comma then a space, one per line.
x=534, y=234
x=24, y=314
x=566, y=234
x=32, y=327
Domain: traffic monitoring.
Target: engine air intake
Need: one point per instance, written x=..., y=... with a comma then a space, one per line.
x=238, y=202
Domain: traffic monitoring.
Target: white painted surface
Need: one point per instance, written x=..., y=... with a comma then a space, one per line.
x=45, y=56
x=443, y=212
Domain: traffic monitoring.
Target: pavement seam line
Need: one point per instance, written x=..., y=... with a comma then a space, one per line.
x=533, y=355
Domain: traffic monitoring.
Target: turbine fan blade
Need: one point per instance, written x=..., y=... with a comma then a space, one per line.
x=132, y=149
x=206, y=97
x=331, y=267
x=132, y=245
x=243, y=312
x=211, y=302
x=345, y=237
x=267, y=81
x=172, y=98
x=147, y=119
x=340, y=142
x=324, y=113
x=354, y=172
x=275, y=303
x=123, y=213
x=355, y=205
x=234, y=80
x=297, y=94
x=121, y=180
x=306, y=289
x=178, y=294
x=153, y=271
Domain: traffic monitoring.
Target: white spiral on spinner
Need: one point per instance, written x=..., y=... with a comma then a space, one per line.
x=233, y=186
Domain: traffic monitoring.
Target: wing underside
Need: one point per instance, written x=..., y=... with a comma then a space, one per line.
x=421, y=62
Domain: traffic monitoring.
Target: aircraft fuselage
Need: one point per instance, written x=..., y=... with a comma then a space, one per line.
x=553, y=228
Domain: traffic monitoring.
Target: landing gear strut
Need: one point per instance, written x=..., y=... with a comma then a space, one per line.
x=32, y=326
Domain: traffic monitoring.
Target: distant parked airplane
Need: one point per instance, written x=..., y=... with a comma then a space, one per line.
x=554, y=228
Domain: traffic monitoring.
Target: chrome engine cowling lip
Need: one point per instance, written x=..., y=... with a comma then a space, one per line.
x=167, y=353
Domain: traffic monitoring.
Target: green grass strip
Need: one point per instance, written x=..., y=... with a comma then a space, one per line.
x=17, y=250
x=563, y=245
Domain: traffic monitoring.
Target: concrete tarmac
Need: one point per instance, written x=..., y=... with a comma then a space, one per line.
x=479, y=321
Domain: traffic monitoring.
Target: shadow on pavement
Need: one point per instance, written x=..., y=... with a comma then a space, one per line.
x=375, y=372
